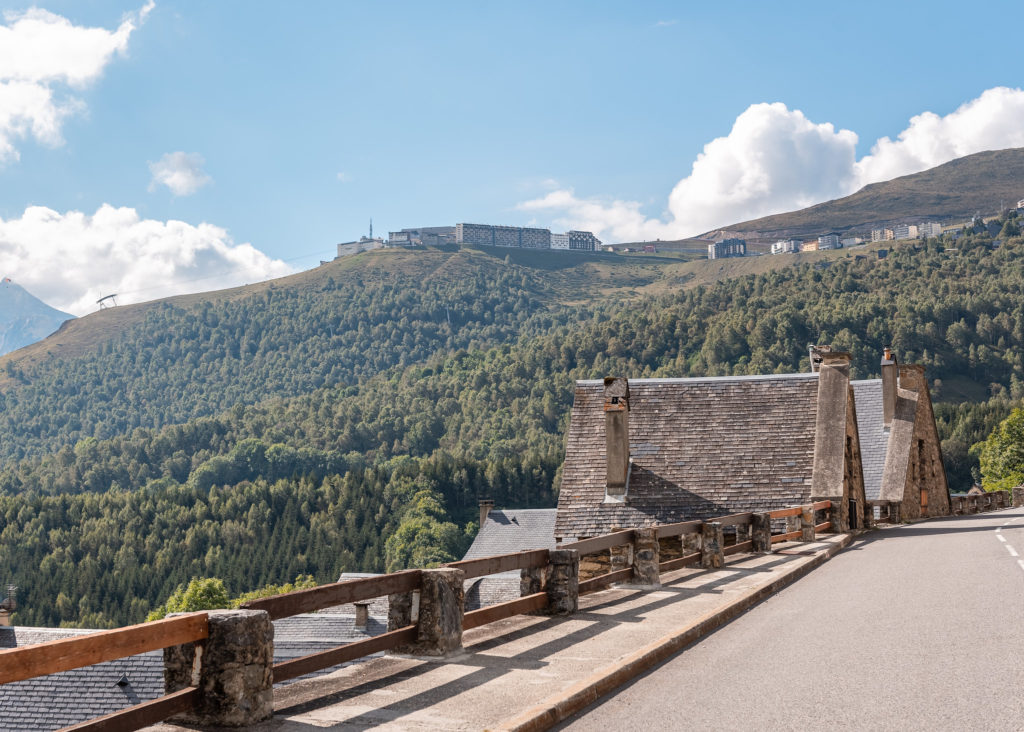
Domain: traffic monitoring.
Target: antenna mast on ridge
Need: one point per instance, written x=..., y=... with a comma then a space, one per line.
x=371, y=227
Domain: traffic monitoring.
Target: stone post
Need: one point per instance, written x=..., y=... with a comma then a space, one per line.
x=807, y=523
x=691, y=543
x=792, y=524
x=562, y=581
x=531, y=581
x=895, y=516
x=646, y=556
x=761, y=531
x=439, y=630
x=233, y=670
x=621, y=556
x=403, y=609
x=1018, y=496
x=711, y=556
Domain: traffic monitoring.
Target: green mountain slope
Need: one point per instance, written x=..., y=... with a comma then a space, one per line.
x=116, y=523
x=949, y=193
x=24, y=319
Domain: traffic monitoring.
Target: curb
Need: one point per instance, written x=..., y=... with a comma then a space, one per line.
x=563, y=705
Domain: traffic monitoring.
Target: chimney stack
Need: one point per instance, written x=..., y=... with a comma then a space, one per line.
x=890, y=382
x=616, y=427
x=362, y=615
x=817, y=355
x=485, y=508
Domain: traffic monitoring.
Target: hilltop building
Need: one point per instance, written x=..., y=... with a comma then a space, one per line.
x=829, y=241
x=882, y=235
x=430, y=236
x=929, y=228
x=786, y=246
x=809, y=246
x=727, y=248
x=524, y=237
x=641, y=452
x=363, y=244
x=904, y=231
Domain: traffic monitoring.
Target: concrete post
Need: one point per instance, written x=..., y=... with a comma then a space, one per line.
x=711, y=556
x=646, y=556
x=233, y=670
x=1018, y=496
x=442, y=598
x=761, y=531
x=562, y=581
x=807, y=523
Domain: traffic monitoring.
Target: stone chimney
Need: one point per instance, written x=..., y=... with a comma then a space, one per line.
x=362, y=615
x=485, y=508
x=5, y=619
x=830, y=426
x=817, y=355
x=912, y=377
x=890, y=382
x=616, y=429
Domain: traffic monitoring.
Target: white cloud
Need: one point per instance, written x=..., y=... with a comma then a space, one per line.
x=344, y=177
x=180, y=171
x=72, y=259
x=665, y=23
x=775, y=160
x=40, y=52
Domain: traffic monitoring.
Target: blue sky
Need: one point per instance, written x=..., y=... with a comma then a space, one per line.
x=306, y=119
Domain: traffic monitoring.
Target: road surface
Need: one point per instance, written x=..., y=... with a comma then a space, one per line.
x=911, y=628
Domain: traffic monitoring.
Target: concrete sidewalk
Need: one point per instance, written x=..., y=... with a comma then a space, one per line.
x=527, y=672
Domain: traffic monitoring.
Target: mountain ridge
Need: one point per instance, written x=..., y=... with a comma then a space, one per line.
x=24, y=318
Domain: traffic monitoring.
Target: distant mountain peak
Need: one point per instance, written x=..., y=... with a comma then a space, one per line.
x=24, y=318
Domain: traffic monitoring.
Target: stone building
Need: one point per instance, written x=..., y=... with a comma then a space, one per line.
x=900, y=446
x=641, y=452
x=504, y=531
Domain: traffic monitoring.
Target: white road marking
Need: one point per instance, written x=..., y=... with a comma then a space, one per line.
x=1013, y=552
x=1001, y=538
x=1021, y=563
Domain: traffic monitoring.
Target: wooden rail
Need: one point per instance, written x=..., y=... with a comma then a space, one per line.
x=736, y=519
x=821, y=505
x=141, y=715
x=501, y=563
x=685, y=527
x=500, y=611
x=823, y=527
x=743, y=546
x=785, y=512
x=65, y=654
x=776, y=538
x=602, y=581
x=600, y=543
x=293, y=669
x=336, y=593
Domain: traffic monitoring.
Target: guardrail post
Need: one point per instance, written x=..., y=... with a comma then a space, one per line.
x=646, y=556
x=761, y=532
x=807, y=523
x=233, y=670
x=442, y=603
x=1018, y=496
x=562, y=581
x=531, y=581
x=712, y=540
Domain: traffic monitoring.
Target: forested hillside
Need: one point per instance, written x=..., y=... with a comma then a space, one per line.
x=366, y=458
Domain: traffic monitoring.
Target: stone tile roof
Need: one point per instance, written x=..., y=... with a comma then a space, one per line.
x=700, y=448
x=514, y=530
x=60, y=700
x=491, y=590
x=874, y=438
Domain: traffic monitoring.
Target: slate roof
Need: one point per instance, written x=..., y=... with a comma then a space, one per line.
x=491, y=590
x=874, y=438
x=60, y=700
x=514, y=530
x=700, y=448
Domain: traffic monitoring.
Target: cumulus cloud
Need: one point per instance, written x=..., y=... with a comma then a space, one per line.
x=181, y=172
x=72, y=259
x=775, y=159
x=41, y=54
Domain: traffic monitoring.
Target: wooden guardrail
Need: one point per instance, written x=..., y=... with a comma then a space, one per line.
x=66, y=654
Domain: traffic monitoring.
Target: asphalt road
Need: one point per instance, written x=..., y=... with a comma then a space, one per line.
x=911, y=628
